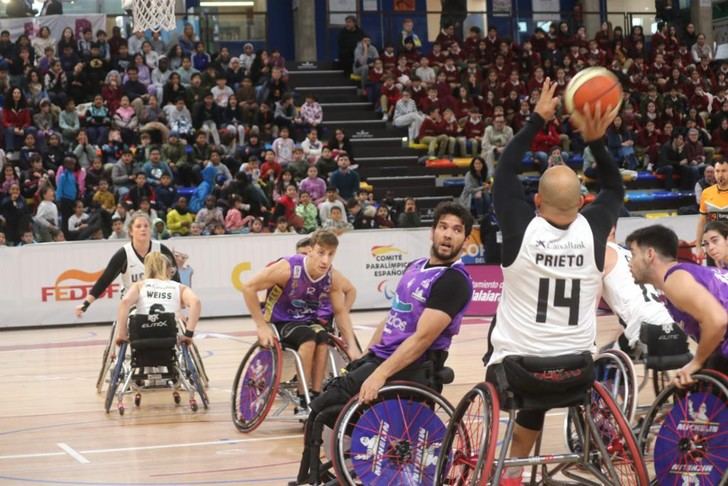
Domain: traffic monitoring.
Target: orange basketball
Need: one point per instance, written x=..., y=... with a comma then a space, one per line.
x=590, y=86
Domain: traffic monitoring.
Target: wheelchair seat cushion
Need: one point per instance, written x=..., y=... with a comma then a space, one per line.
x=665, y=340
x=544, y=382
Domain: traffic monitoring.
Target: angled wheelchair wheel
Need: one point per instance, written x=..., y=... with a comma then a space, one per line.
x=614, y=444
x=117, y=376
x=106, y=360
x=395, y=439
x=685, y=432
x=194, y=375
x=199, y=365
x=256, y=386
x=468, y=450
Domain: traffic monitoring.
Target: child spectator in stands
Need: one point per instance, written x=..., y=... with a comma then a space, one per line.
x=407, y=115
x=140, y=190
x=432, y=133
x=543, y=141
x=103, y=198
x=344, y=179
x=155, y=167
x=122, y=173
x=336, y=222
x=16, y=119
x=126, y=121
x=94, y=174
x=117, y=230
x=282, y=226
x=451, y=129
x=648, y=143
x=46, y=220
x=311, y=114
x=210, y=215
x=97, y=122
x=326, y=164
x=306, y=210
x=159, y=230
x=313, y=184
x=389, y=94
x=77, y=221
x=180, y=218
x=283, y=147
x=382, y=219
x=9, y=178
x=299, y=165
x=180, y=119
x=312, y=146
x=207, y=118
x=221, y=170
x=84, y=151
x=285, y=112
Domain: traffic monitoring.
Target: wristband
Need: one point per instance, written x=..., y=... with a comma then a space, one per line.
x=189, y=334
x=85, y=305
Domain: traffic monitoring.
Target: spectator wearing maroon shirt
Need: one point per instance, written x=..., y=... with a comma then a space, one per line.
x=389, y=58
x=542, y=143
x=437, y=56
x=521, y=116
x=446, y=36
x=648, y=143
x=470, y=44
x=452, y=129
x=432, y=133
x=720, y=138
x=472, y=133
x=16, y=120
x=141, y=190
x=388, y=96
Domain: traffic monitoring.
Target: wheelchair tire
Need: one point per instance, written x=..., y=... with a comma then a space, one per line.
x=255, y=390
x=194, y=375
x=116, y=377
x=468, y=450
x=618, y=439
x=396, y=439
x=106, y=360
x=685, y=432
x=200, y=365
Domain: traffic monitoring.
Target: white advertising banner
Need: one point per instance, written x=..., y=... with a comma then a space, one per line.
x=31, y=25
x=42, y=284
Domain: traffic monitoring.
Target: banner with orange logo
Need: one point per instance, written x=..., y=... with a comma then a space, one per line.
x=43, y=283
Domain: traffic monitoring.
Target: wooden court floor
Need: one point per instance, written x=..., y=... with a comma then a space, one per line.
x=53, y=429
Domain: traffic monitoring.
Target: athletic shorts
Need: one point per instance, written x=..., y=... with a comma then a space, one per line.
x=294, y=334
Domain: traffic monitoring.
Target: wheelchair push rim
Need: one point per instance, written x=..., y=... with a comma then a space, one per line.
x=622, y=387
x=690, y=444
x=106, y=360
x=194, y=376
x=468, y=450
x=396, y=439
x=617, y=438
x=116, y=376
x=256, y=386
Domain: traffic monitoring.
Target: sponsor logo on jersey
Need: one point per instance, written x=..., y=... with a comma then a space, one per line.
x=76, y=284
x=418, y=295
x=399, y=306
x=560, y=245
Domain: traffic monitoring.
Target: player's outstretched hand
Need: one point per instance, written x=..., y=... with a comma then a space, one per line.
x=683, y=377
x=79, y=311
x=266, y=337
x=547, y=102
x=593, y=124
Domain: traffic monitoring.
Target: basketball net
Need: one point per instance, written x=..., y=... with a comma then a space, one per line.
x=154, y=15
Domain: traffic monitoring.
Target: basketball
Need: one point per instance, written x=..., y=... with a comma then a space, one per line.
x=590, y=86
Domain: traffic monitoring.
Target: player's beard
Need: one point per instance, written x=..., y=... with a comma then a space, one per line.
x=451, y=255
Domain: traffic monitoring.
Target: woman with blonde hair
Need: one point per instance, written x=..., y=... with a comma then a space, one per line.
x=158, y=294
x=128, y=261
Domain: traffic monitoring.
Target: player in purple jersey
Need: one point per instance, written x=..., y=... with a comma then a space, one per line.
x=411, y=343
x=696, y=296
x=297, y=287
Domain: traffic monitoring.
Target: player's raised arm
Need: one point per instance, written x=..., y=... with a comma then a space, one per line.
x=276, y=274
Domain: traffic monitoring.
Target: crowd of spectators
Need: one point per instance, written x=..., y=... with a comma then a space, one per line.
x=97, y=127
x=467, y=96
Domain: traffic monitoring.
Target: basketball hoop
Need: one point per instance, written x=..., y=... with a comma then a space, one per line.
x=154, y=15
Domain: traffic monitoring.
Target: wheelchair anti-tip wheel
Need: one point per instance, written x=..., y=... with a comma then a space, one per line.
x=396, y=439
x=256, y=386
x=470, y=442
x=107, y=359
x=685, y=432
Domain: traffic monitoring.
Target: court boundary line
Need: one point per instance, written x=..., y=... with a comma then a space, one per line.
x=73, y=453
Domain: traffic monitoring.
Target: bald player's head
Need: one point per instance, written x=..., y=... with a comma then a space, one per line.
x=559, y=195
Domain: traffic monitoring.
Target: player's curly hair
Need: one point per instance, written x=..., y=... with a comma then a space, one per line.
x=445, y=208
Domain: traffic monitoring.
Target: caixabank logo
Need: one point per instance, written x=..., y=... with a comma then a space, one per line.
x=74, y=284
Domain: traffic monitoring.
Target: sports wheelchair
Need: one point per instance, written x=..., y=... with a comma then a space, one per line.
x=395, y=439
x=156, y=361
x=685, y=432
x=108, y=359
x=259, y=380
x=605, y=450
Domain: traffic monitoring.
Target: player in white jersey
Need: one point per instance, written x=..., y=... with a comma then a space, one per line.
x=156, y=294
x=128, y=261
x=552, y=261
x=636, y=305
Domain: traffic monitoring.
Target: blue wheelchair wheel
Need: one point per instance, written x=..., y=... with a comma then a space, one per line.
x=396, y=439
x=685, y=432
x=106, y=360
x=194, y=377
x=117, y=375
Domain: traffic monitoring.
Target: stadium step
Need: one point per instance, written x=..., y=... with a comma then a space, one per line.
x=332, y=96
x=416, y=191
x=302, y=79
x=403, y=181
x=344, y=118
x=385, y=151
